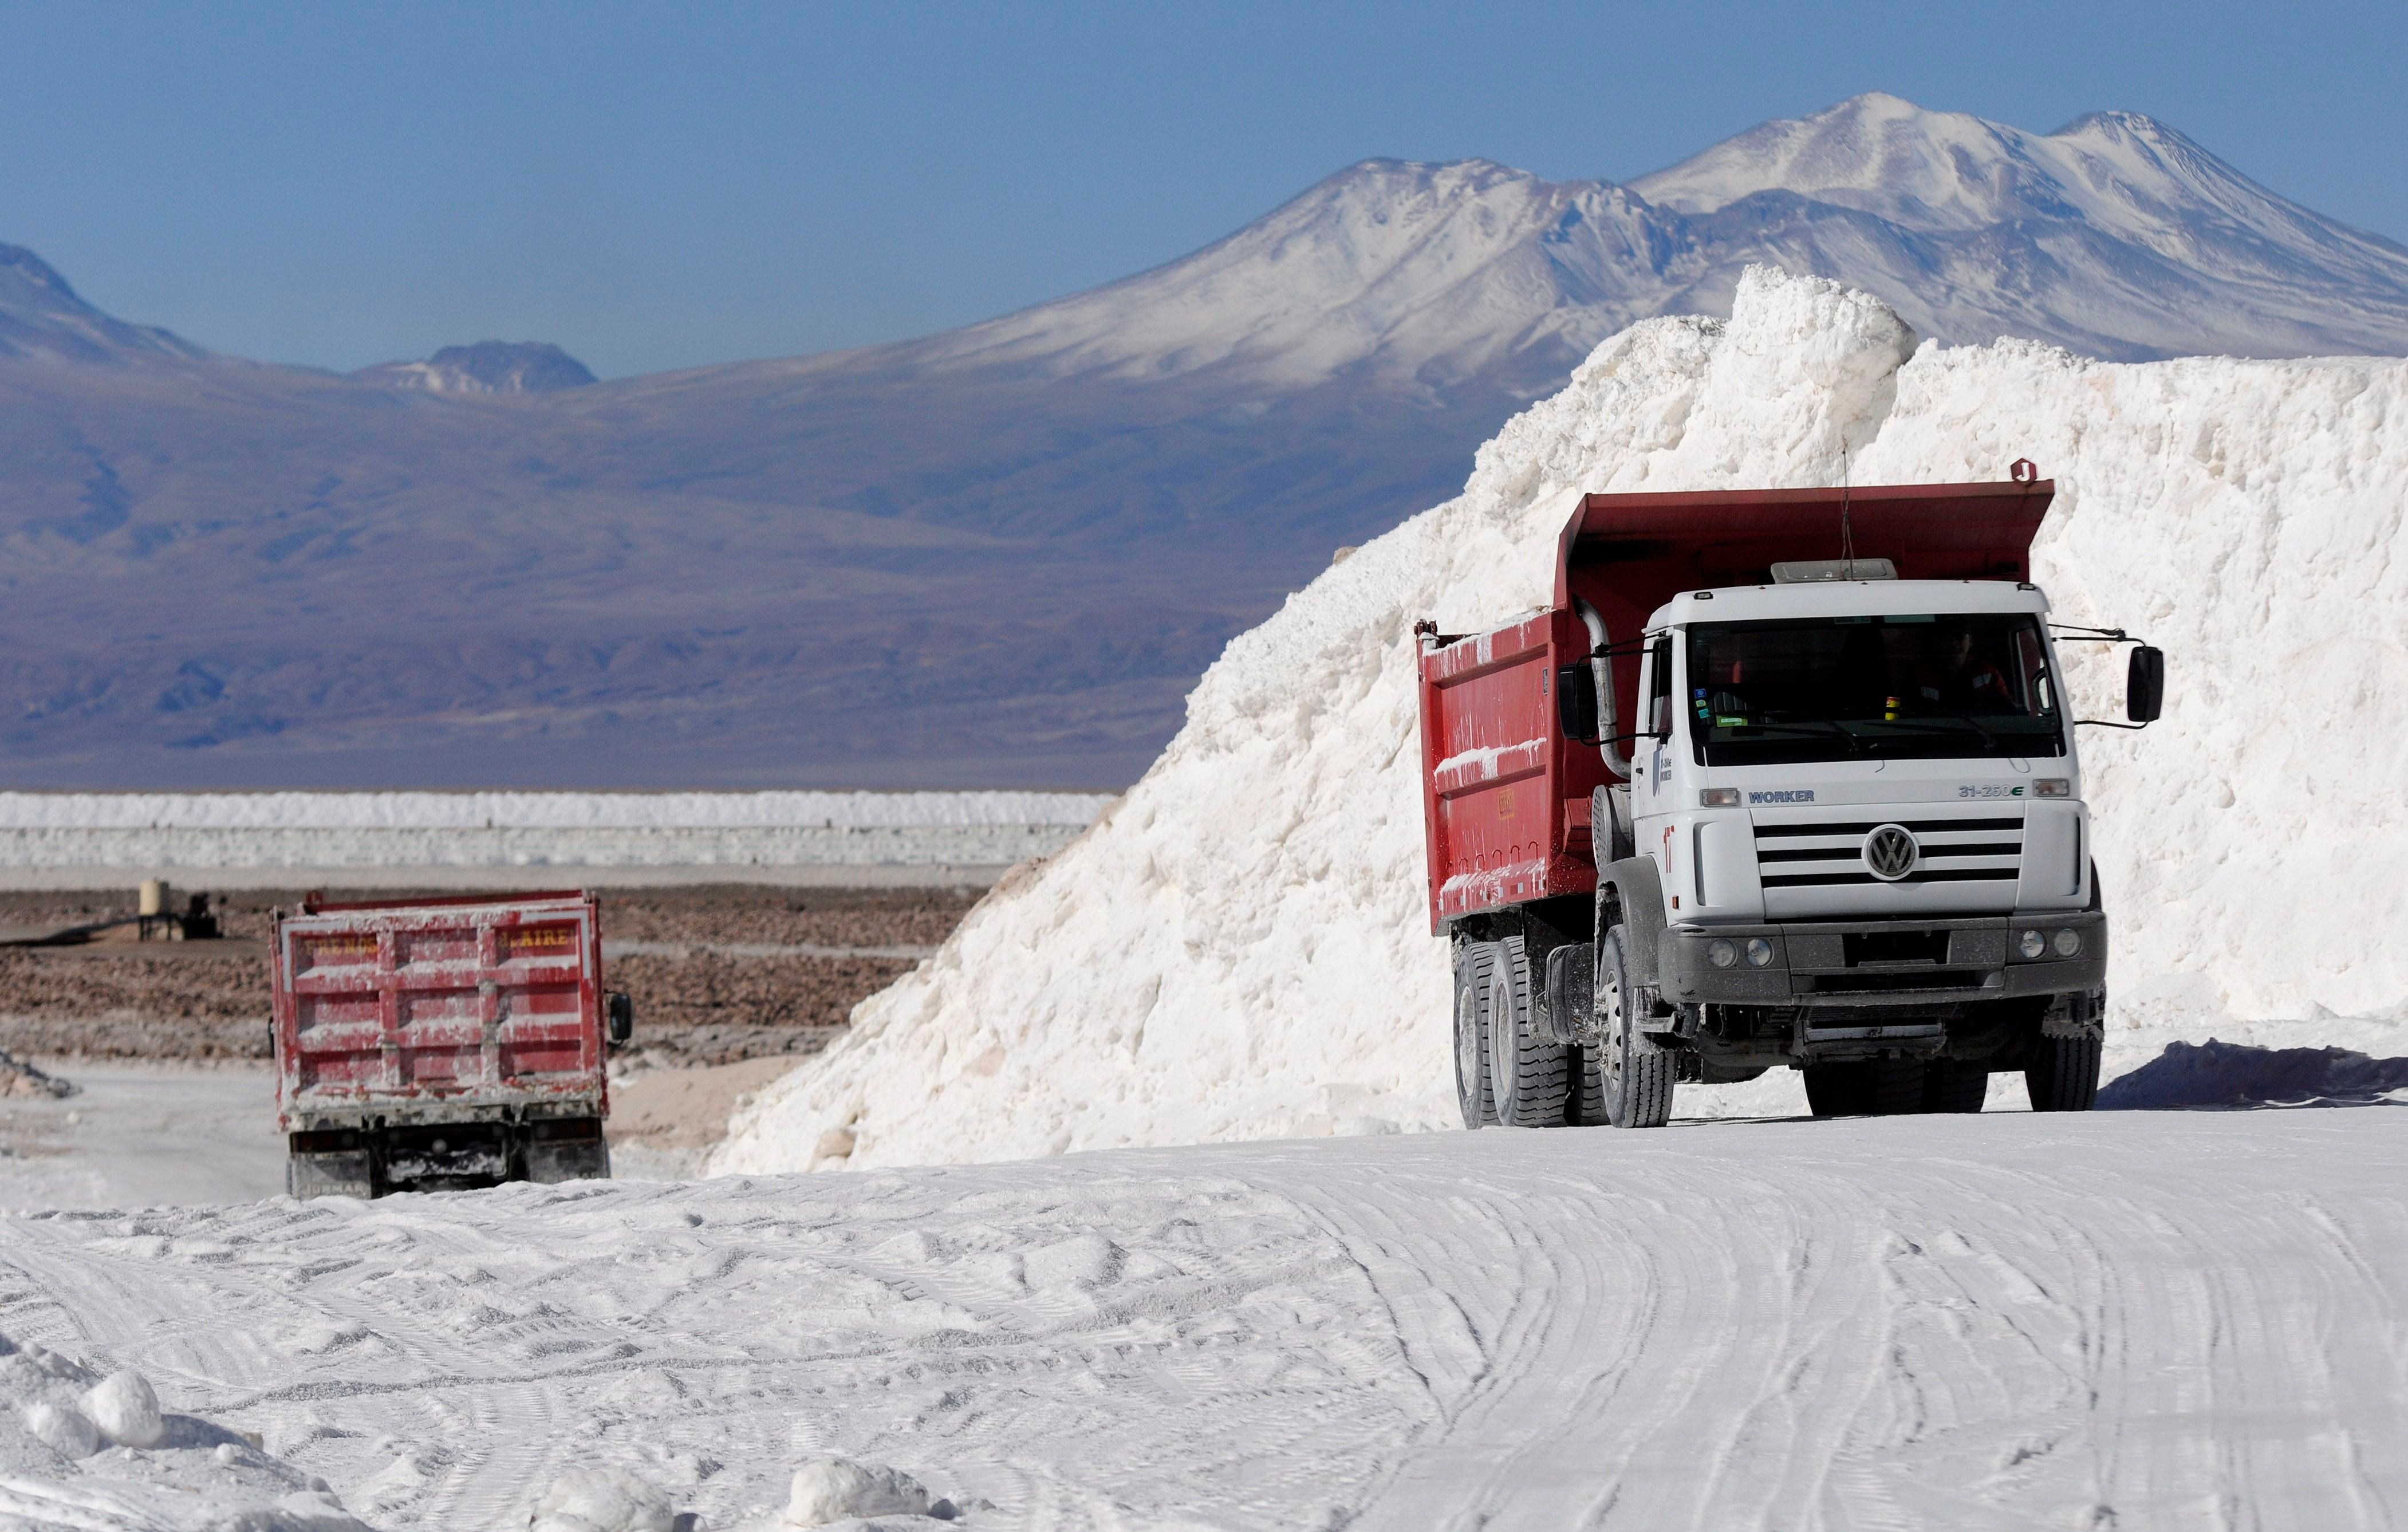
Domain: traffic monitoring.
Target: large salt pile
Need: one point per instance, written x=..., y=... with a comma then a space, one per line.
x=1239, y=947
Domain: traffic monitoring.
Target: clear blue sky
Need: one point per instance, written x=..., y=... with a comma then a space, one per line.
x=667, y=185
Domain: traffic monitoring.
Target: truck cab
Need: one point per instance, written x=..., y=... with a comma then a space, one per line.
x=1863, y=801
x=1818, y=816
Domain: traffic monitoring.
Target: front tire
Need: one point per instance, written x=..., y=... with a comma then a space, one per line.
x=1471, y=970
x=2062, y=1074
x=1529, y=1076
x=1634, y=1076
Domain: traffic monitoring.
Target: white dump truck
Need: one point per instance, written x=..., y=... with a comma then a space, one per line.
x=1782, y=779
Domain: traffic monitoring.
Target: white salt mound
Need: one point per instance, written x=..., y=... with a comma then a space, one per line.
x=1240, y=949
x=601, y=1500
x=55, y=1415
x=126, y=1411
x=63, y=1428
x=836, y=1489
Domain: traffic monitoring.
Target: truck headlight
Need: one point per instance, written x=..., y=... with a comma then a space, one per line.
x=2031, y=944
x=1759, y=953
x=1718, y=798
x=2068, y=943
x=1721, y=954
x=2053, y=787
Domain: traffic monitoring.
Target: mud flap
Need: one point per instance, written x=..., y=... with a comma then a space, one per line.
x=342, y=1173
x=567, y=1149
x=1565, y=997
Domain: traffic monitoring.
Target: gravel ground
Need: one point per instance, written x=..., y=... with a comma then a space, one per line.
x=121, y=1000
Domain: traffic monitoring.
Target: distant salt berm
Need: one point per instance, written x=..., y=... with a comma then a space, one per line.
x=338, y=830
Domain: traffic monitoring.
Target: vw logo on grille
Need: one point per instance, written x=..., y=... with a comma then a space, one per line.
x=1890, y=853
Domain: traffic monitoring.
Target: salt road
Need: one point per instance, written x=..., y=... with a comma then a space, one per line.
x=2135, y=1319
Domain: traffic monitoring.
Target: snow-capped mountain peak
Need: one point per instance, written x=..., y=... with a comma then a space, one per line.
x=2115, y=236
x=1421, y=272
x=2119, y=173
x=41, y=319
x=488, y=366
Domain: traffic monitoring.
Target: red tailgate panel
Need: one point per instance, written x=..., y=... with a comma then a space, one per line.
x=476, y=1001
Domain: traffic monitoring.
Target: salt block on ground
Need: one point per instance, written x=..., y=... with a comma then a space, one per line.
x=836, y=1489
x=126, y=1411
x=601, y=1500
x=63, y=1428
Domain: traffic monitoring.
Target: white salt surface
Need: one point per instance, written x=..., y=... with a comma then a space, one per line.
x=134, y=1136
x=2137, y=1320
x=1241, y=947
x=328, y=830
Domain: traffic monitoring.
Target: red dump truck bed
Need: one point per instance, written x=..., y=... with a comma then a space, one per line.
x=442, y=1041
x=1506, y=795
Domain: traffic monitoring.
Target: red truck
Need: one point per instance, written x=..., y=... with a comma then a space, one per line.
x=439, y=1044
x=1734, y=803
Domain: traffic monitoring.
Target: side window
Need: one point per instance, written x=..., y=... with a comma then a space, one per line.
x=1659, y=686
x=2031, y=660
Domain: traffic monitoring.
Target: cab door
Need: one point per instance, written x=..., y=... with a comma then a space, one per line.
x=1655, y=765
x=1651, y=758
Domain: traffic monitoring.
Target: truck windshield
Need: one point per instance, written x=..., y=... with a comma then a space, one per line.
x=1829, y=688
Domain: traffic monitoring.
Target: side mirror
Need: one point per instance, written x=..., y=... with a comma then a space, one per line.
x=619, y=1019
x=1576, y=703
x=2146, y=685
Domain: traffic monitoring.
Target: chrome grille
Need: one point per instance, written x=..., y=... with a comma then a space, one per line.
x=1979, y=847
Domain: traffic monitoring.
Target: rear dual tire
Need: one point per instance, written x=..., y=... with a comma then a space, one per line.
x=1529, y=1076
x=1473, y=965
x=1504, y=1072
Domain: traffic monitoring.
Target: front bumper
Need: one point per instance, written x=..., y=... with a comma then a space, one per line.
x=1856, y=963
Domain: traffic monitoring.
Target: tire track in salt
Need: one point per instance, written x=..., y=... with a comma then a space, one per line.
x=1869, y=1335
x=2159, y=1320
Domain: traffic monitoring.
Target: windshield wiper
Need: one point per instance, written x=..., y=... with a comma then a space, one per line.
x=1917, y=726
x=1802, y=725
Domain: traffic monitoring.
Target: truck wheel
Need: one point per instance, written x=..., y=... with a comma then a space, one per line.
x=1472, y=1034
x=2062, y=1074
x=1951, y=1086
x=1527, y=1074
x=1634, y=1076
x=1865, y=1088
